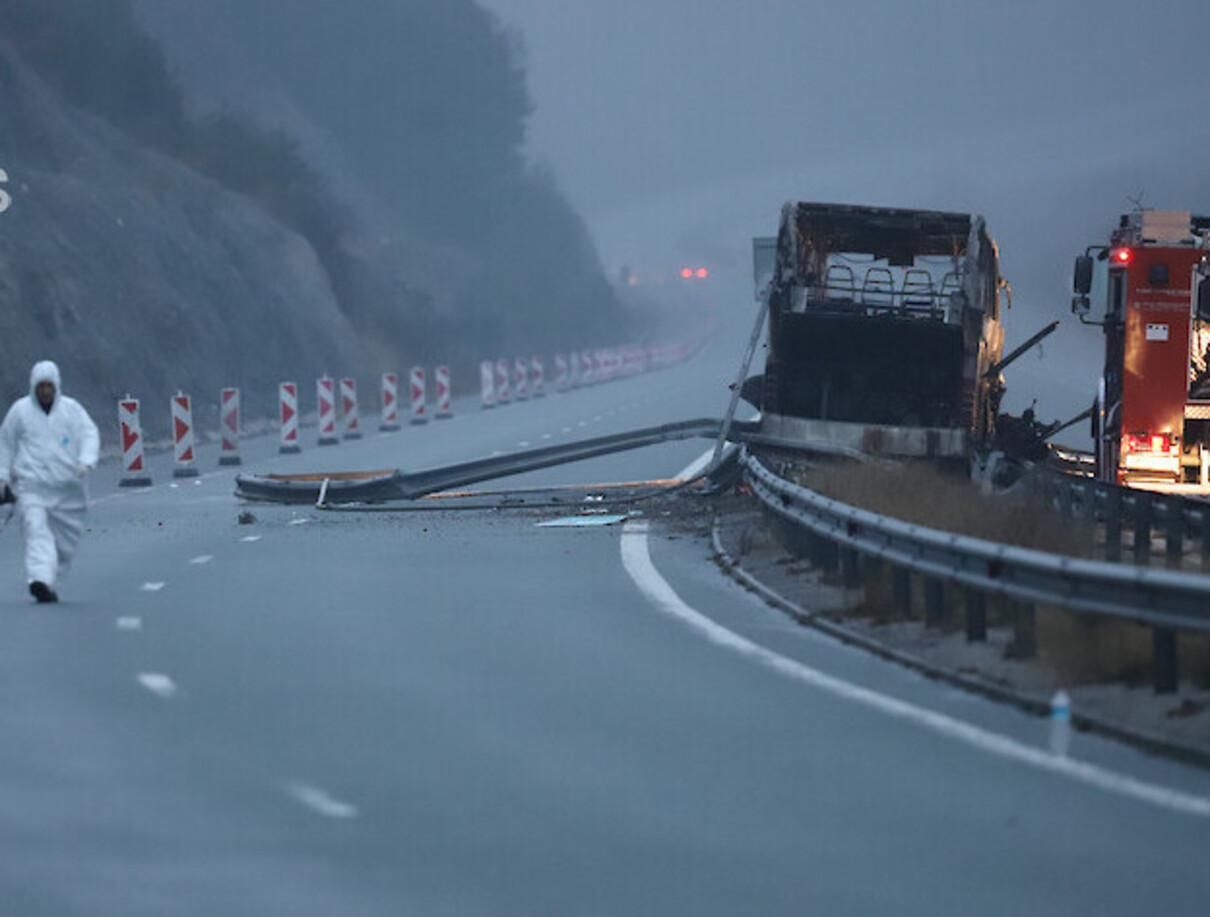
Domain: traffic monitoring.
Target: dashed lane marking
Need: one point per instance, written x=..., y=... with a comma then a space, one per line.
x=201, y=559
x=319, y=801
x=151, y=587
x=158, y=683
x=128, y=623
x=248, y=539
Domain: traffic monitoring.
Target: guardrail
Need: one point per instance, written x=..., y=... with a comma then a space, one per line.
x=837, y=536
x=383, y=486
x=1180, y=520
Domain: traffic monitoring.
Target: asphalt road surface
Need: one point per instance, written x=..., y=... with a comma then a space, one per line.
x=463, y=714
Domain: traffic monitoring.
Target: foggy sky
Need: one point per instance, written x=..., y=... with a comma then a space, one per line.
x=679, y=127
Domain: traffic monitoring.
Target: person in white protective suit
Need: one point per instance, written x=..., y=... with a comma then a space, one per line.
x=48, y=443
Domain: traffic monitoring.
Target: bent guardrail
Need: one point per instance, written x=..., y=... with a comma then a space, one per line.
x=383, y=486
x=1165, y=600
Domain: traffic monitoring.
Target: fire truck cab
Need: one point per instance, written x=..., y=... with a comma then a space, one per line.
x=1151, y=420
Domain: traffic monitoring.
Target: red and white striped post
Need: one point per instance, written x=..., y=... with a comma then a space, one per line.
x=134, y=465
x=560, y=373
x=419, y=395
x=503, y=393
x=487, y=385
x=228, y=422
x=537, y=377
x=325, y=398
x=287, y=400
x=521, y=378
x=348, y=408
x=183, y=458
x=443, y=397
x=390, y=403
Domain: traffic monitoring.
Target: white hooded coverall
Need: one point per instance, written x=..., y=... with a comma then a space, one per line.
x=44, y=458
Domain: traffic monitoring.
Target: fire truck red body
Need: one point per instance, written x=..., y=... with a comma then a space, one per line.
x=1152, y=417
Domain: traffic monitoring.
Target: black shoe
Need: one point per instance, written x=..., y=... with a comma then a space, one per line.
x=42, y=592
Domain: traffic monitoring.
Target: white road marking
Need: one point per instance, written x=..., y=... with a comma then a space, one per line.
x=197, y=482
x=302, y=521
x=158, y=684
x=582, y=424
x=174, y=485
x=597, y=419
x=565, y=430
x=694, y=468
x=202, y=559
x=128, y=623
x=151, y=587
x=636, y=558
x=319, y=801
x=248, y=539
x=546, y=436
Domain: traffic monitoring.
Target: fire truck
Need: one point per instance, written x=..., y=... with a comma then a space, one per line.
x=1151, y=418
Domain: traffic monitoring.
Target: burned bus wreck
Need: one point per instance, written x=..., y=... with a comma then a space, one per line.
x=884, y=331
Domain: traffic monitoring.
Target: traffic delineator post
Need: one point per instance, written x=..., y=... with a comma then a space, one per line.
x=537, y=377
x=228, y=420
x=184, y=458
x=442, y=395
x=287, y=402
x=390, y=403
x=325, y=397
x=417, y=391
x=487, y=384
x=348, y=408
x=134, y=462
x=521, y=378
x=503, y=390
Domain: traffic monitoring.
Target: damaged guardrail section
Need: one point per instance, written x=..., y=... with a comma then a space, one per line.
x=839, y=536
x=383, y=486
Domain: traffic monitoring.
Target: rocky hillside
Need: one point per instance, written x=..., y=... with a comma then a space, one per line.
x=242, y=191
x=138, y=274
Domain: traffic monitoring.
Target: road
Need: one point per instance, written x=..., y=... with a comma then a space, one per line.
x=464, y=714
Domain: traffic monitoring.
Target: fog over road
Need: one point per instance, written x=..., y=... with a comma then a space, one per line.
x=463, y=713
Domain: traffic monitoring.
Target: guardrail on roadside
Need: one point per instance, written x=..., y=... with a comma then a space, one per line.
x=837, y=536
x=1179, y=519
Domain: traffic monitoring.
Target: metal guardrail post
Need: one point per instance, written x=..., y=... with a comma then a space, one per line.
x=850, y=573
x=1088, y=501
x=1144, y=513
x=1113, y=525
x=1174, y=531
x=1025, y=632
x=901, y=590
x=934, y=602
x=976, y=616
x=1206, y=540
x=1165, y=672
x=827, y=555
x=1067, y=497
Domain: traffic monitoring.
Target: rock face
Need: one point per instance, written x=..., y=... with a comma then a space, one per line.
x=137, y=274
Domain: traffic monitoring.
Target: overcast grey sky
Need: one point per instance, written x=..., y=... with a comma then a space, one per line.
x=680, y=126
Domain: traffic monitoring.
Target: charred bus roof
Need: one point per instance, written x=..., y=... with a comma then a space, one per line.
x=894, y=234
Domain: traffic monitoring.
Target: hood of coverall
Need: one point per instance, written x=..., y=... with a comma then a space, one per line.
x=45, y=371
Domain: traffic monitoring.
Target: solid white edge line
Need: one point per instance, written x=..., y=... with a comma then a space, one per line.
x=636, y=558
